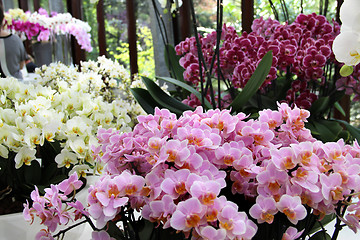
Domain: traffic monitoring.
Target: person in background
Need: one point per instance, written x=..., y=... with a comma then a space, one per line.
x=30, y=65
x=12, y=51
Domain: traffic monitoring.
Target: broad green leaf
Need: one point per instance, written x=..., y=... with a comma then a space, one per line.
x=320, y=105
x=164, y=99
x=49, y=172
x=187, y=88
x=312, y=128
x=145, y=100
x=172, y=61
x=339, y=108
x=328, y=130
x=325, y=221
x=256, y=80
x=355, y=132
x=114, y=231
x=32, y=173
x=322, y=235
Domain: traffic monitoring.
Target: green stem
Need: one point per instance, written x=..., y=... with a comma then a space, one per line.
x=201, y=60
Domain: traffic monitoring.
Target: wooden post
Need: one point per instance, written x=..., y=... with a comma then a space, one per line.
x=101, y=28
x=247, y=14
x=185, y=20
x=23, y=4
x=132, y=38
x=36, y=5
x=78, y=54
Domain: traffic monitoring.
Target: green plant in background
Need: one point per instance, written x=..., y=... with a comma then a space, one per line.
x=145, y=52
x=116, y=34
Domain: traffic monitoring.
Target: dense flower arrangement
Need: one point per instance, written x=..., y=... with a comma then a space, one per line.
x=46, y=133
x=43, y=26
x=32, y=115
x=301, y=53
x=104, y=77
x=212, y=175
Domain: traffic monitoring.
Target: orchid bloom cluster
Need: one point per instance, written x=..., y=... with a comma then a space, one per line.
x=104, y=77
x=186, y=173
x=302, y=48
x=43, y=26
x=31, y=115
x=49, y=208
x=18, y=21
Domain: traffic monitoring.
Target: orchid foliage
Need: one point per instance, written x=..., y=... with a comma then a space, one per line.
x=212, y=175
x=47, y=131
x=42, y=26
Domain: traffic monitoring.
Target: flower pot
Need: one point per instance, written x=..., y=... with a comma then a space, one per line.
x=42, y=53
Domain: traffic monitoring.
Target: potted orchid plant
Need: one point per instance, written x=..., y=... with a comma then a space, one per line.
x=49, y=126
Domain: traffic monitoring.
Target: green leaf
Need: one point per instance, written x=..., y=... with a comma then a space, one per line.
x=325, y=221
x=172, y=62
x=312, y=128
x=339, y=108
x=256, y=80
x=328, y=130
x=49, y=172
x=187, y=88
x=355, y=132
x=114, y=231
x=32, y=173
x=322, y=235
x=320, y=105
x=164, y=99
x=145, y=100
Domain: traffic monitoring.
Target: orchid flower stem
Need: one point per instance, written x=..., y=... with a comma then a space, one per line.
x=340, y=213
x=162, y=29
x=273, y=8
x=62, y=232
x=219, y=31
x=321, y=7
x=201, y=60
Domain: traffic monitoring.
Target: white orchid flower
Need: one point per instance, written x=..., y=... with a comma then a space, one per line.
x=24, y=156
x=66, y=158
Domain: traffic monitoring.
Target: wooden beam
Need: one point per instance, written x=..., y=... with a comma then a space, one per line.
x=132, y=38
x=247, y=14
x=74, y=8
x=101, y=28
